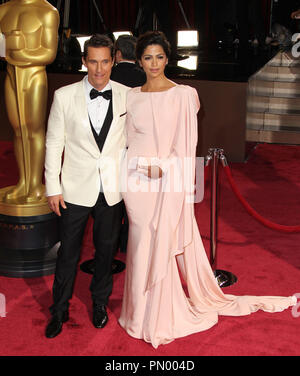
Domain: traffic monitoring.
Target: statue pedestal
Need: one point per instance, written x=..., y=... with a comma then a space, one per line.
x=28, y=245
x=29, y=240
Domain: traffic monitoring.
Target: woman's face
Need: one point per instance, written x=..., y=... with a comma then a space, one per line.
x=154, y=61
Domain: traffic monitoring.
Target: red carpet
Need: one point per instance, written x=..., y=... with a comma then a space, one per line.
x=266, y=262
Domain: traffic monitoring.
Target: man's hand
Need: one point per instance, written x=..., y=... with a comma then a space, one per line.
x=54, y=202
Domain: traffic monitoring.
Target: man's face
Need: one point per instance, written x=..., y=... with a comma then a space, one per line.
x=99, y=64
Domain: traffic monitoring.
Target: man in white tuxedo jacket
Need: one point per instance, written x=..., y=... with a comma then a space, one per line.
x=86, y=128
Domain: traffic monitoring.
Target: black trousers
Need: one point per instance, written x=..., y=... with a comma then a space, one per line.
x=106, y=232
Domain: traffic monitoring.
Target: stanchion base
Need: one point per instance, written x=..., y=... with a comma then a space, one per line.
x=89, y=266
x=225, y=278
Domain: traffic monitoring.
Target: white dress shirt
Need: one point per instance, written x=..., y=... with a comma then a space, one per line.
x=97, y=107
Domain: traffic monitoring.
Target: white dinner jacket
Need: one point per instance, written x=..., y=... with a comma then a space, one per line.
x=69, y=135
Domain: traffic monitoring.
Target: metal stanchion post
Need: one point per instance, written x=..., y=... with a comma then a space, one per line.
x=223, y=277
x=213, y=206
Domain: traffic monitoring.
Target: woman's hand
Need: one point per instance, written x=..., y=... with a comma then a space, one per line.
x=152, y=172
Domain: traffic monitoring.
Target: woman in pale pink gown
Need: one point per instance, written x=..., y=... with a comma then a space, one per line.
x=165, y=250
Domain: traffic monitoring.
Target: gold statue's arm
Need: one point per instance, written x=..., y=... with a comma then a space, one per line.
x=45, y=53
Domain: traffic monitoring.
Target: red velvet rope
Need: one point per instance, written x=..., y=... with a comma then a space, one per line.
x=250, y=210
x=206, y=173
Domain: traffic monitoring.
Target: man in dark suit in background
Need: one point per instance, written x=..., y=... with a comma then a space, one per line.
x=126, y=71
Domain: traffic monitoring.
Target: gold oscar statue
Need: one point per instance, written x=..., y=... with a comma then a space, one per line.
x=30, y=28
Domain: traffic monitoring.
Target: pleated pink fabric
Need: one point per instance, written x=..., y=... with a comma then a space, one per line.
x=164, y=243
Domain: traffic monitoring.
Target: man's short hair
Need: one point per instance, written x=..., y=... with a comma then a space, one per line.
x=99, y=40
x=126, y=45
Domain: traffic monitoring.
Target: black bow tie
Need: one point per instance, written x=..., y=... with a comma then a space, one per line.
x=105, y=94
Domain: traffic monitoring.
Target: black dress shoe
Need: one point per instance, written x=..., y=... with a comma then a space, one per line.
x=100, y=317
x=55, y=325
